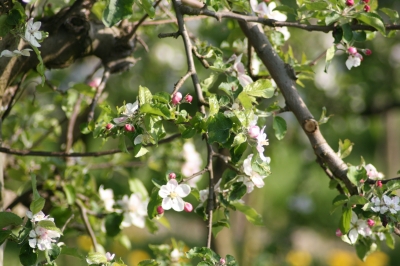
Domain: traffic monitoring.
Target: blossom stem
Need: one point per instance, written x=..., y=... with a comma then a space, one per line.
x=85, y=219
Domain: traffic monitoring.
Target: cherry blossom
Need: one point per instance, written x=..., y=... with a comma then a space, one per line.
x=392, y=203
x=107, y=196
x=8, y=53
x=354, y=61
x=172, y=194
x=358, y=227
x=42, y=238
x=32, y=33
x=135, y=210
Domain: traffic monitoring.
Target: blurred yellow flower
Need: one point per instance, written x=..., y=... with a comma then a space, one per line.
x=298, y=258
x=348, y=258
x=375, y=259
x=137, y=256
x=84, y=242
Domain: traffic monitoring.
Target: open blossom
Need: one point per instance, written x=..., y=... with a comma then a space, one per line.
x=379, y=204
x=172, y=194
x=358, y=227
x=107, y=196
x=42, y=238
x=372, y=173
x=32, y=33
x=392, y=204
x=241, y=72
x=40, y=216
x=110, y=256
x=131, y=108
x=354, y=61
x=261, y=142
x=268, y=11
x=8, y=53
x=135, y=210
x=253, y=178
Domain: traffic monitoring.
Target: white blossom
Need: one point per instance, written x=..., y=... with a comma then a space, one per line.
x=241, y=72
x=107, y=196
x=372, y=173
x=354, y=61
x=175, y=255
x=8, y=53
x=379, y=204
x=392, y=203
x=32, y=33
x=358, y=227
x=135, y=210
x=40, y=216
x=172, y=194
x=192, y=164
x=131, y=108
x=261, y=142
x=42, y=238
x=110, y=256
x=253, y=178
x=120, y=121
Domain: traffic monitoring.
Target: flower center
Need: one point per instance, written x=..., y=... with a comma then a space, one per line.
x=173, y=195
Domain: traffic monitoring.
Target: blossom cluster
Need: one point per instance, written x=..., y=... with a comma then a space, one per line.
x=386, y=204
x=40, y=237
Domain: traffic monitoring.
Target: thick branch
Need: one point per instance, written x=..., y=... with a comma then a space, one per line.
x=276, y=67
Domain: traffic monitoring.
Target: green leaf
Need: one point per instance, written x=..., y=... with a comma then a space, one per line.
x=230, y=261
x=330, y=54
x=323, y=119
x=279, y=126
x=36, y=194
x=9, y=219
x=345, y=220
x=246, y=100
x=71, y=252
x=339, y=200
x=162, y=97
x=96, y=258
x=286, y=9
x=145, y=96
x=122, y=144
x=139, y=151
x=147, y=5
x=359, y=36
x=393, y=185
x=373, y=20
x=27, y=256
x=203, y=253
x=355, y=175
x=347, y=33
x=239, y=139
x=219, y=128
x=389, y=240
x=356, y=200
x=364, y=248
x=316, y=5
x=54, y=252
x=112, y=224
x=331, y=18
x=238, y=191
x=251, y=214
x=154, y=202
x=261, y=88
x=136, y=186
x=153, y=109
x=4, y=234
x=117, y=10
x=49, y=225
x=148, y=263
x=37, y=205
x=70, y=193
x=345, y=148
x=392, y=14
x=214, y=106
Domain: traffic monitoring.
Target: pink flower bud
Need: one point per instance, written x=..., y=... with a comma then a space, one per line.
x=367, y=8
x=188, y=207
x=129, y=128
x=254, y=131
x=95, y=82
x=172, y=175
x=189, y=98
x=338, y=233
x=176, y=98
x=109, y=126
x=160, y=210
x=368, y=52
x=350, y=2
x=370, y=222
x=379, y=183
x=362, y=181
x=352, y=50
x=222, y=261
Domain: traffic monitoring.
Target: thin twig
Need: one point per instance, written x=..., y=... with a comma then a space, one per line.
x=77, y=154
x=312, y=63
x=169, y=34
x=67, y=222
x=85, y=219
x=71, y=123
x=98, y=93
x=179, y=84
x=201, y=58
x=170, y=21
x=194, y=175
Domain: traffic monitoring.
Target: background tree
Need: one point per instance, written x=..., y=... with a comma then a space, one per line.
x=80, y=75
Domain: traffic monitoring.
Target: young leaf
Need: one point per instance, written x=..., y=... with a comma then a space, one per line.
x=373, y=20
x=261, y=88
x=345, y=148
x=355, y=175
x=145, y=95
x=345, y=220
x=330, y=54
x=9, y=219
x=37, y=205
x=279, y=125
x=251, y=214
x=219, y=128
x=356, y=200
x=117, y=10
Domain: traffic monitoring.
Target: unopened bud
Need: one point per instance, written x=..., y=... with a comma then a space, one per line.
x=222, y=261
x=176, y=98
x=129, y=128
x=109, y=126
x=160, y=210
x=352, y=50
x=172, y=175
x=254, y=131
x=367, y=8
x=349, y=2
x=379, y=183
x=368, y=52
x=189, y=98
x=338, y=233
x=370, y=222
x=188, y=207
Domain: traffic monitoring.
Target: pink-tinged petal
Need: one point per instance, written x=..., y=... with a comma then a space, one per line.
x=244, y=80
x=164, y=191
x=167, y=203
x=257, y=180
x=178, y=204
x=183, y=190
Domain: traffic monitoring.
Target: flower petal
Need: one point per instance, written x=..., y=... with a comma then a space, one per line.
x=183, y=190
x=167, y=203
x=178, y=204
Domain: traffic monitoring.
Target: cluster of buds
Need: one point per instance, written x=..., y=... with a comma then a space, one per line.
x=367, y=8
x=177, y=97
